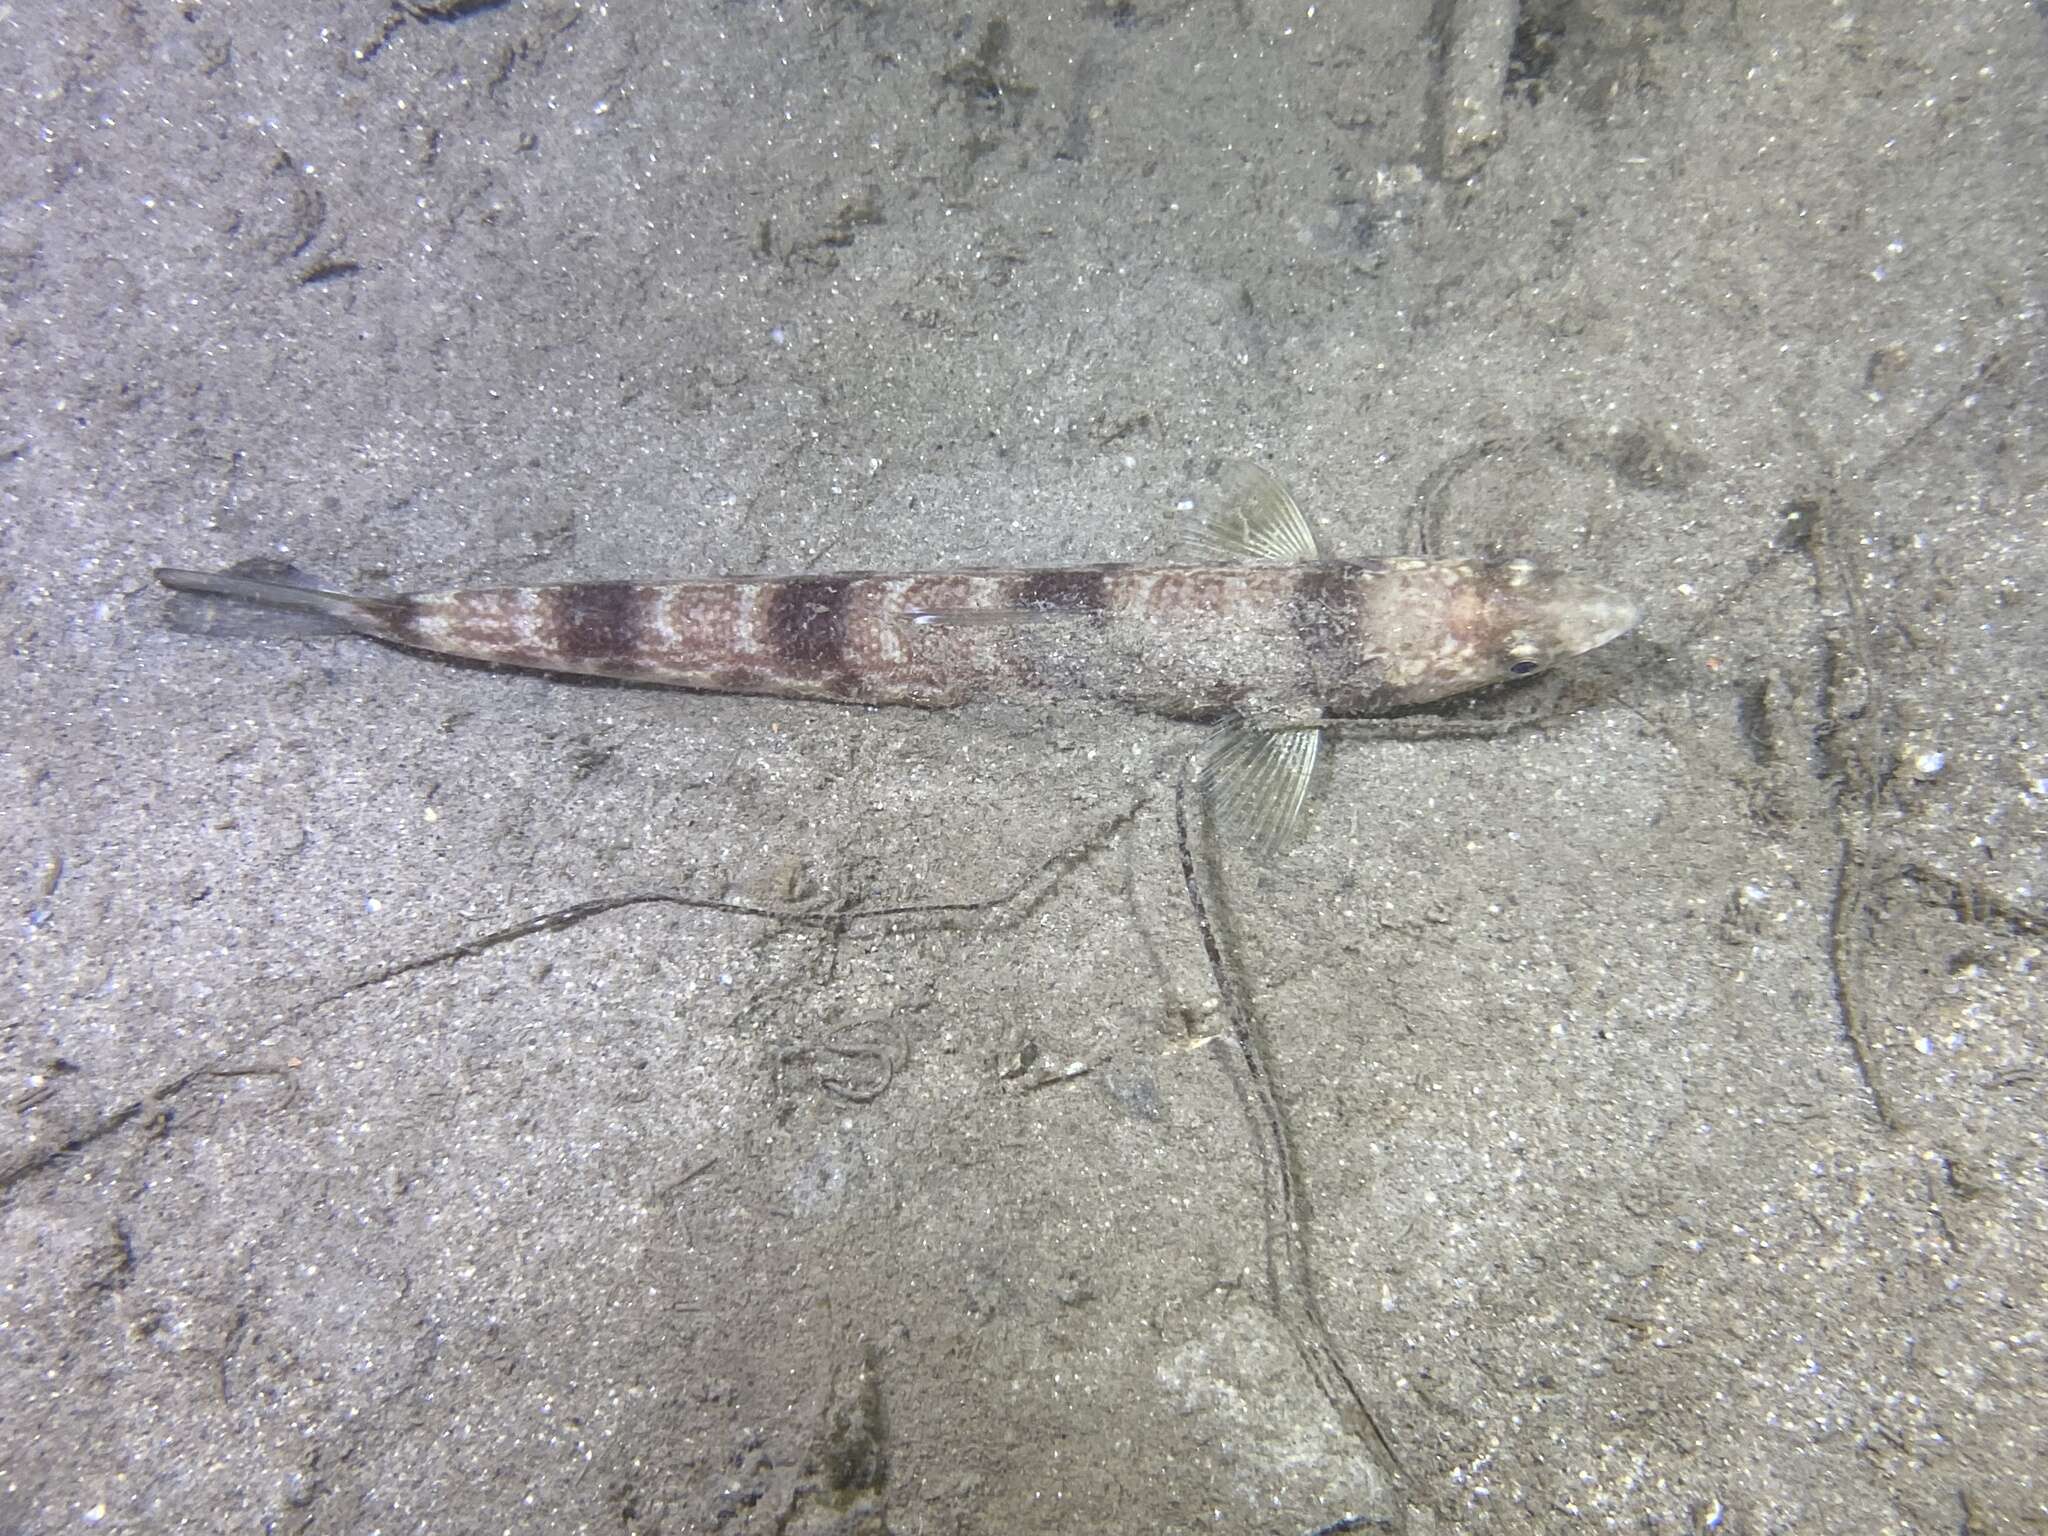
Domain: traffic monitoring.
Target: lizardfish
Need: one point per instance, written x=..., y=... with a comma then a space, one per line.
x=1261, y=629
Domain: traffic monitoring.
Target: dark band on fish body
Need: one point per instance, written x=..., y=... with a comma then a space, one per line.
x=593, y=621
x=389, y=618
x=1324, y=613
x=1080, y=590
x=804, y=620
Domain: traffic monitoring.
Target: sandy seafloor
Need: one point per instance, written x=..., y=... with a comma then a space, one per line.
x=1665, y=1082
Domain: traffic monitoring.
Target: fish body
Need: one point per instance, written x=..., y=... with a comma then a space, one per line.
x=1337, y=637
x=1267, y=630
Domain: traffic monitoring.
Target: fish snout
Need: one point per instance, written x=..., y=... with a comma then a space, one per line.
x=1601, y=614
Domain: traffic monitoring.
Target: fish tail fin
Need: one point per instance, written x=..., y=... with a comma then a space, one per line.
x=267, y=599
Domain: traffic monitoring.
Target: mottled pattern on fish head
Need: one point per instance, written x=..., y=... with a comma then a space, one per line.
x=1493, y=621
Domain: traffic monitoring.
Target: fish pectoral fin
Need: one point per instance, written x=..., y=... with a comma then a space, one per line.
x=1254, y=518
x=1256, y=781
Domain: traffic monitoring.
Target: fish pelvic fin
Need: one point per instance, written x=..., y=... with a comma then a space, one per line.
x=268, y=599
x=1257, y=782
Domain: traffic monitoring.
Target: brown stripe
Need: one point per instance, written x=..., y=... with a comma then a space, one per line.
x=803, y=620
x=1324, y=612
x=593, y=621
x=1077, y=589
x=405, y=620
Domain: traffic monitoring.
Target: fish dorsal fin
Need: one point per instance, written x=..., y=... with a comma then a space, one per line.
x=1257, y=781
x=1254, y=518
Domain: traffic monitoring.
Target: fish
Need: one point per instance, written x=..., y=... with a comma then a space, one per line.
x=1256, y=629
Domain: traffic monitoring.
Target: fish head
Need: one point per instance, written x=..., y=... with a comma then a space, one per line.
x=1470, y=624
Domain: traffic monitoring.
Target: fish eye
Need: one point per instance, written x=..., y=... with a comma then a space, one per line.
x=1524, y=668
